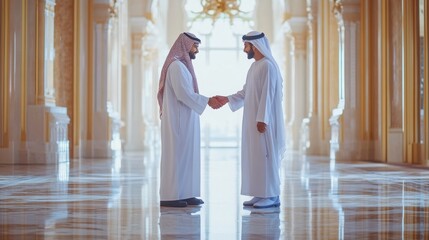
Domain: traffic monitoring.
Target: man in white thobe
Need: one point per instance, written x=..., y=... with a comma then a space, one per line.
x=180, y=107
x=263, y=131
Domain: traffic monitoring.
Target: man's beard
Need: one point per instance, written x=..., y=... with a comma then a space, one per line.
x=250, y=54
x=192, y=55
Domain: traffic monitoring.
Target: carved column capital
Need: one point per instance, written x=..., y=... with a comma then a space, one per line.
x=337, y=9
x=300, y=40
x=50, y=6
x=136, y=41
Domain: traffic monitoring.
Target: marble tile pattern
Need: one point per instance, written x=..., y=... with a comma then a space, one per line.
x=118, y=199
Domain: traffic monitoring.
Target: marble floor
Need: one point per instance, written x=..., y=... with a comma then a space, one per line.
x=118, y=199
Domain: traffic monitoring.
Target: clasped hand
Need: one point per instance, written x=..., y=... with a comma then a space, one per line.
x=217, y=101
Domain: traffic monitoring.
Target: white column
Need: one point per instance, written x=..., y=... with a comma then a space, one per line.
x=99, y=146
x=172, y=19
x=350, y=145
x=47, y=139
x=104, y=140
x=134, y=120
x=311, y=127
x=114, y=88
x=150, y=85
x=142, y=111
x=308, y=121
x=289, y=85
x=338, y=111
x=299, y=86
x=264, y=21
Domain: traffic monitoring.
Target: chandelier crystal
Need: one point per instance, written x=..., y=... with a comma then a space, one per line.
x=214, y=9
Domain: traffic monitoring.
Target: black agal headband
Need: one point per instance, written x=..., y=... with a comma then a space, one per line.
x=193, y=38
x=248, y=38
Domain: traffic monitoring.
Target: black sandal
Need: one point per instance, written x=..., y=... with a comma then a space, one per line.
x=176, y=203
x=194, y=201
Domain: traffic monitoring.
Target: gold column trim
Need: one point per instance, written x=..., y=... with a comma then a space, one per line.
x=24, y=63
x=148, y=16
x=4, y=34
x=426, y=81
x=287, y=16
x=411, y=116
x=312, y=39
x=136, y=41
x=47, y=128
x=90, y=81
x=364, y=70
x=324, y=36
x=385, y=105
x=76, y=78
x=36, y=54
x=39, y=54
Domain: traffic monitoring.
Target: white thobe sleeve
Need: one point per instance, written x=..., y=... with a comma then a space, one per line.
x=184, y=90
x=267, y=96
x=236, y=101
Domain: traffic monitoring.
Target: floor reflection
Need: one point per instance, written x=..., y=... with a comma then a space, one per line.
x=261, y=224
x=180, y=223
x=118, y=198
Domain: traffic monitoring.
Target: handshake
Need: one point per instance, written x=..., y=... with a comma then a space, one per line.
x=217, y=101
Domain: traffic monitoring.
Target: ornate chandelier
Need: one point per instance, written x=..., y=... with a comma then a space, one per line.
x=215, y=9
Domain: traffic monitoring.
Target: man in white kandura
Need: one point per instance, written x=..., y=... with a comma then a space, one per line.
x=263, y=131
x=181, y=106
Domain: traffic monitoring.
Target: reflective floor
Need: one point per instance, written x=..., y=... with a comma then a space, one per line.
x=118, y=199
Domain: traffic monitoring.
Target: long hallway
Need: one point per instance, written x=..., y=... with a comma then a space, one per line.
x=118, y=199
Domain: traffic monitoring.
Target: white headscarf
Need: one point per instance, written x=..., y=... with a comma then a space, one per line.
x=261, y=42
